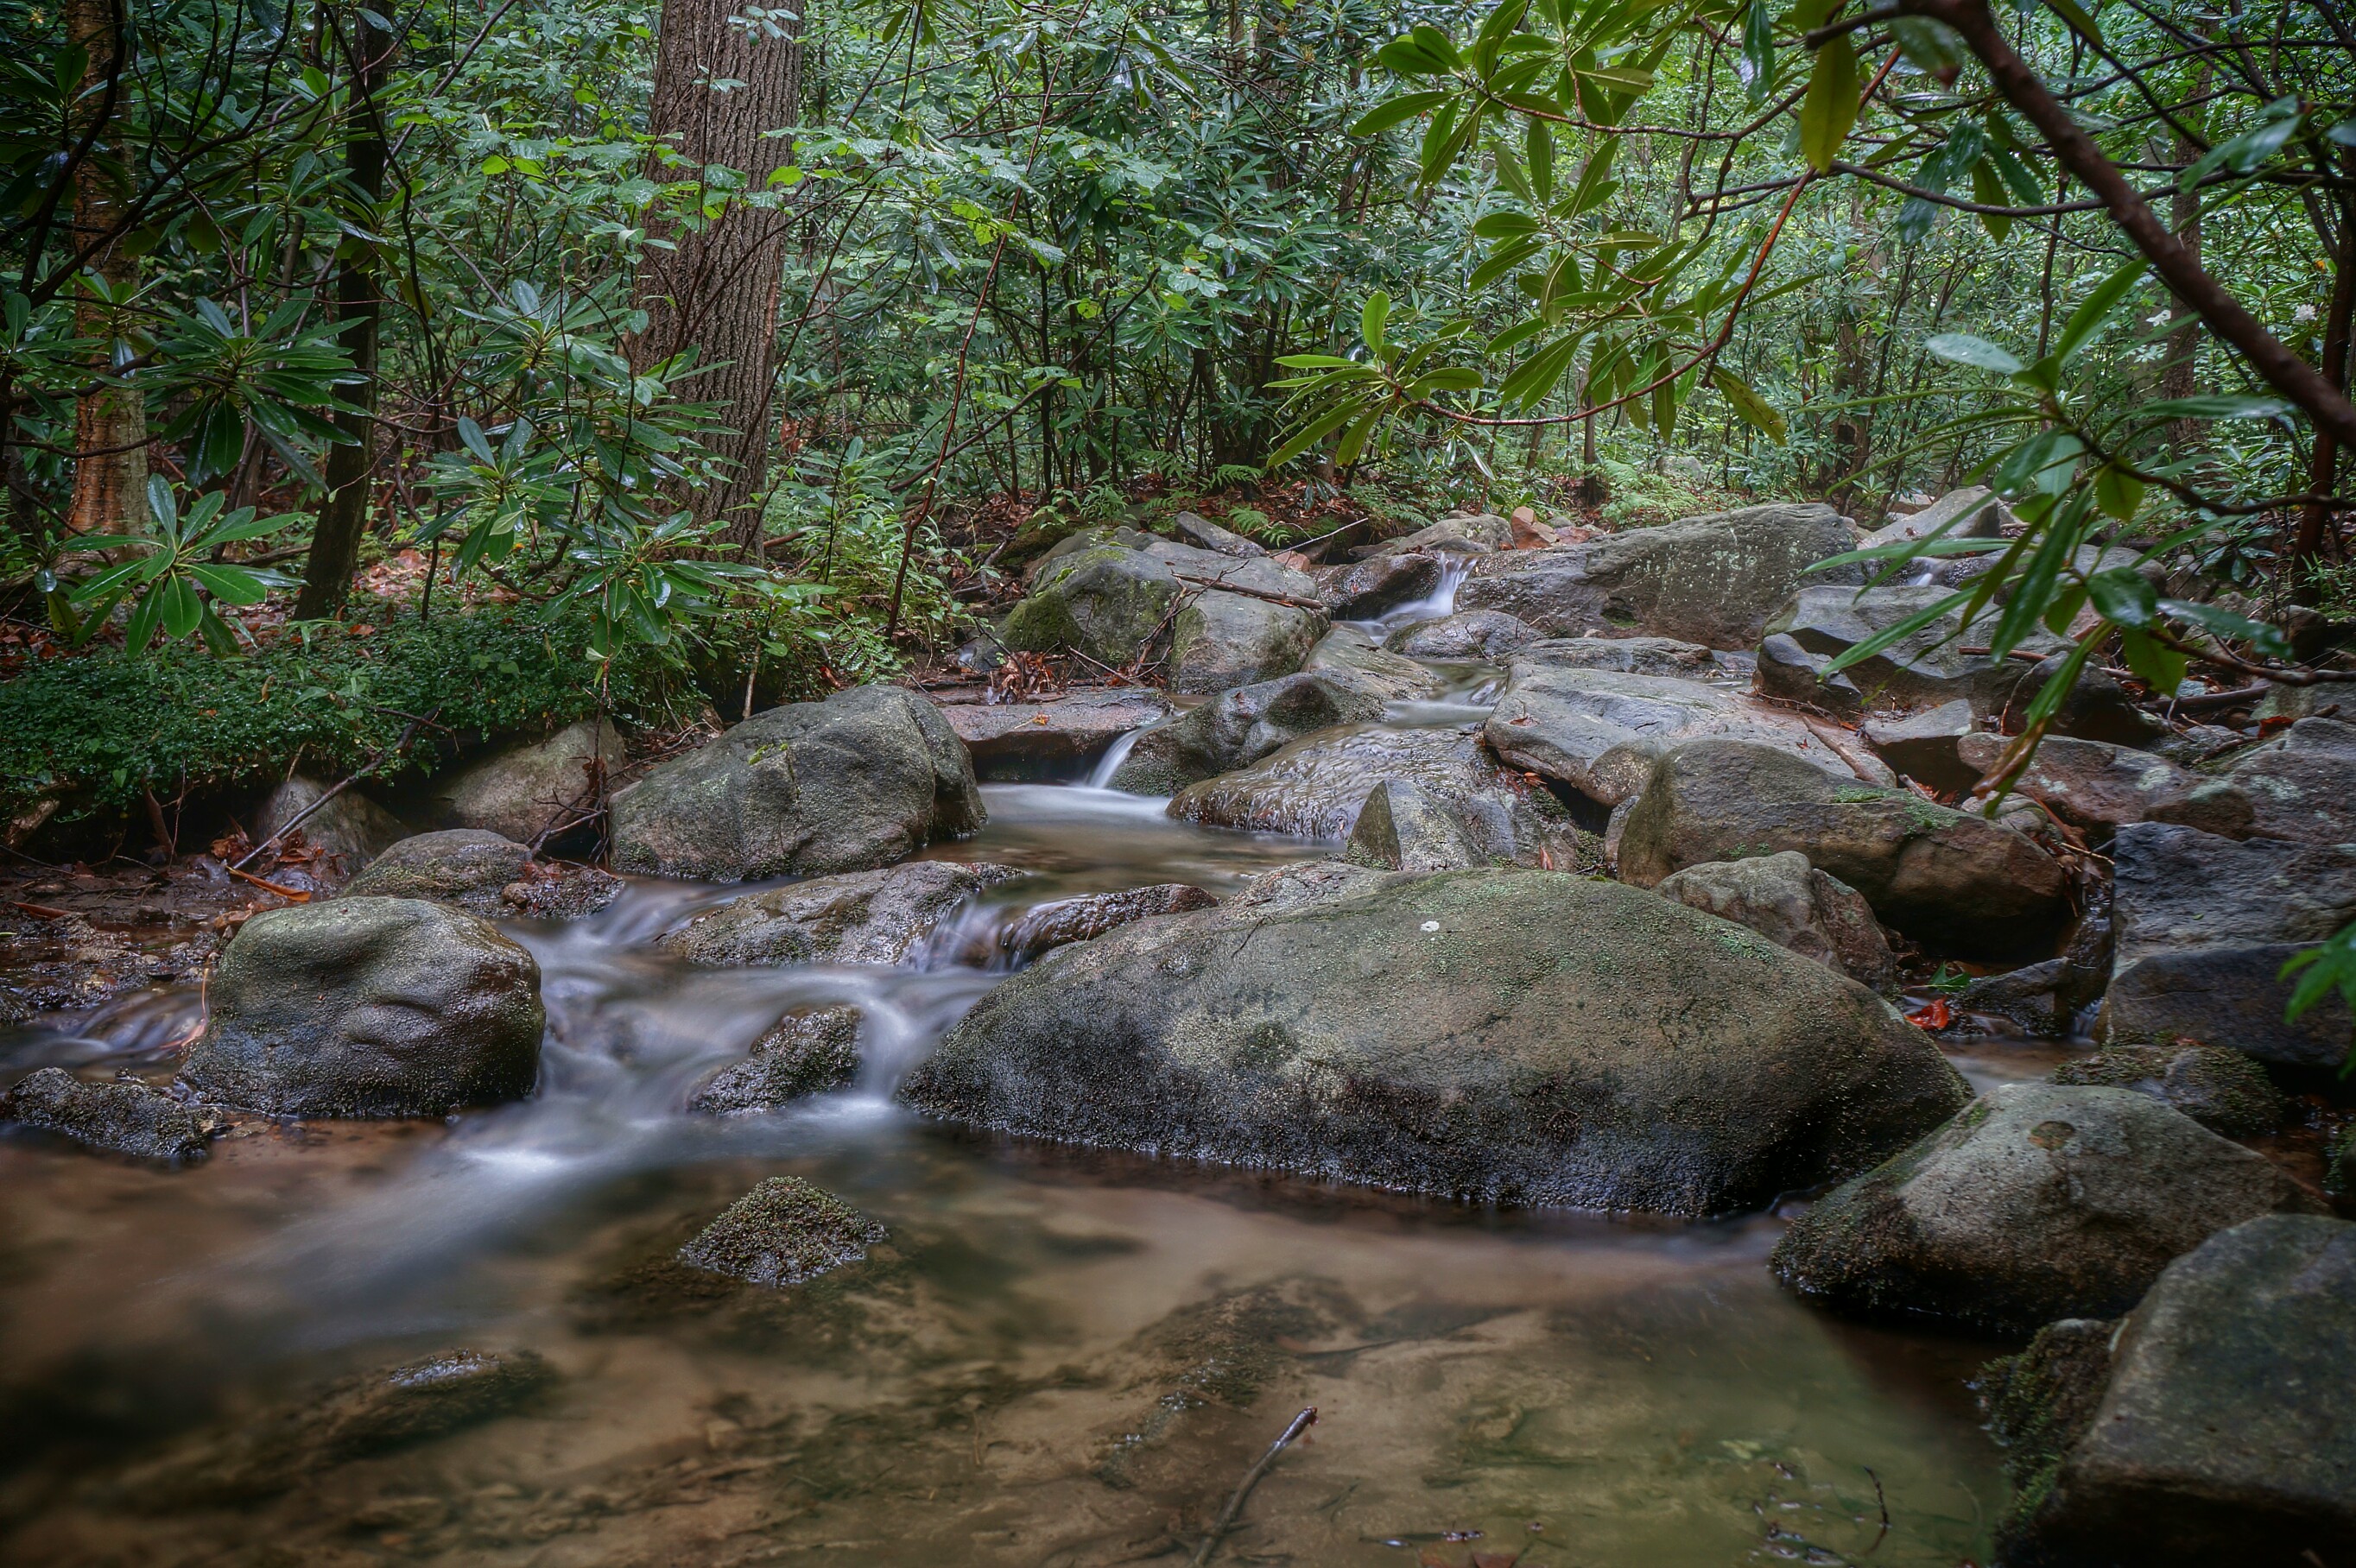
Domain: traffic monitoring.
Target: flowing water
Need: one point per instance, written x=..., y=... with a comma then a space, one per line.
x=1056, y=1357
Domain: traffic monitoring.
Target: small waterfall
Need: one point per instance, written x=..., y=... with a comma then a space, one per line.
x=1100, y=776
x=1440, y=601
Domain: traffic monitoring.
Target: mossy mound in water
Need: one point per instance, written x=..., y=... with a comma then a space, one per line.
x=1498, y=1035
x=782, y=1232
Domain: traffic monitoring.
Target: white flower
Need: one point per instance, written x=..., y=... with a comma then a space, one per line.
x=2160, y=320
x=2303, y=313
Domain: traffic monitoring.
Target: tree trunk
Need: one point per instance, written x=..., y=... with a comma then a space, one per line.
x=712, y=285
x=2179, y=372
x=359, y=307
x=110, y=483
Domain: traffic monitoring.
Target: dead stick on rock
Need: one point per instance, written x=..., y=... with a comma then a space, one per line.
x=1300, y=1423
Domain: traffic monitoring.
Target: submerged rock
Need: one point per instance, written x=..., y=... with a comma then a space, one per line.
x=1941, y=876
x=122, y=1117
x=1314, y=787
x=2221, y=1433
x=2222, y=1090
x=1056, y=739
x=861, y=917
x=1501, y=1036
x=1240, y=727
x=524, y=791
x=368, y=1007
x=467, y=867
x=865, y=778
x=784, y=1232
x=1713, y=580
x=1466, y=634
x=804, y=1052
x=2203, y=926
x=1795, y=906
x=2040, y=1201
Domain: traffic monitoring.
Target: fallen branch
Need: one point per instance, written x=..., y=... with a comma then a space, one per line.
x=292, y=823
x=293, y=895
x=1300, y=1423
x=42, y=911
x=1287, y=599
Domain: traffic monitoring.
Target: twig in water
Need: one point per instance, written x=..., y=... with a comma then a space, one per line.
x=1300, y=1423
x=1883, y=1502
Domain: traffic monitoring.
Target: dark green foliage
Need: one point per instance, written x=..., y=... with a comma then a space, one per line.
x=105, y=729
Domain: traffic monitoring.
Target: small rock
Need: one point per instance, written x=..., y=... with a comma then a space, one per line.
x=1197, y=530
x=468, y=867
x=2040, y=1201
x=122, y=1117
x=1467, y=634
x=1459, y=533
x=1923, y=746
x=557, y=891
x=1045, y=927
x=2031, y=996
x=785, y=1232
x=2222, y=1090
x=1404, y=827
x=2094, y=785
x=1056, y=739
x=804, y=1052
x=351, y=826
x=525, y=791
x=2097, y=708
x=860, y=917
x=1795, y=906
x=1240, y=727
x=2300, y=785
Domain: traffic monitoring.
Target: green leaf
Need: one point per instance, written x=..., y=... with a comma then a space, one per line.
x=2088, y=318
x=1932, y=48
x=2122, y=596
x=232, y=584
x=161, y=504
x=2118, y=492
x=1756, y=63
x=1963, y=348
x=1407, y=106
x=1538, y=151
x=1748, y=406
x=2244, y=152
x=2330, y=966
x=2159, y=667
x=2230, y=627
x=1376, y=311
x=2080, y=23
x=1499, y=225
x=1830, y=108
x=2216, y=406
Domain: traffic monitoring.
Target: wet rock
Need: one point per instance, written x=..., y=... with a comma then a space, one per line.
x=785, y=1232
x=553, y=890
x=2096, y=709
x=1363, y=592
x=1467, y=634
x=1629, y=655
x=1943, y=876
x=524, y=793
x=1240, y=727
x=1971, y=513
x=1494, y=1035
x=1057, y=739
x=1404, y=827
x=1713, y=580
x=1795, y=906
x=1205, y=534
x=1259, y=574
x=1104, y=600
x=1600, y=732
x=2040, y=1201
x=1314, y=787
x=2204, y=925
x=351, y=826
x=1459, y=533
x=2222, y=1090
x=1926, y=669
x=2221, y=1433
x=122, y=1117
x=2094, y=786
x=2032, y=997
x=368, y=1007
x=1221, y=640
x=467, y=867
x=806, y=1053
x=1397, y=678
x=860, y=917
x=1303, y=883
x=863, y=779
x=263, y=1454
x=2300, y=785
x=2039, y=1404
x=1924, y=746
x=1045, y=927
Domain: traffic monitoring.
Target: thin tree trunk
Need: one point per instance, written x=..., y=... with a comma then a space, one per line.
x=110, y=481
x=2323, y=472
x=2180, y=372
x=722, y=82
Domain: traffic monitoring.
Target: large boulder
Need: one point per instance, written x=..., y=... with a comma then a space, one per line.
x=524, y=791
x=1600, y=732
x=2211, y=1426
x=865, y=778
x=368, y=1007
x=122, y=1117
x=1240, y=727
x=1713, y=580
x=468, y=867
x=1466, y=634
x=350, y=826
x=1397, y=677
x=1363, y=592
x=1221, y=640
x=1104, y=600
x=860, y=917
x=1196, y=529
x=1949, y=880
x=1628, y=655
x=1056, y=739
x=1795, y=906
x=1502, y=1036
x=1971, y=513
x=2204, y=925
x=1925, y=668
x=2299, y=785
x=1314, y=787
x=2040, y=1201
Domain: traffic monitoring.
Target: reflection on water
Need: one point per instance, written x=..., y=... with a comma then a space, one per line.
x=1055, y=1359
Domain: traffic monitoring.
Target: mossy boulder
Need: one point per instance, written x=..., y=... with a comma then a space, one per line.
x=1104, y=600
x=1504, y=1036
x=1221, y=640
x=525, y=791
x=784, y=1232
x=865, y=778
x=2222, y=1090
x=465, y=867
x=2040, y=1201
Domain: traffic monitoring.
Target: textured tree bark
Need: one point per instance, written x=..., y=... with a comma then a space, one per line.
x=110, y=483
x=359, y=307
x=723, y=76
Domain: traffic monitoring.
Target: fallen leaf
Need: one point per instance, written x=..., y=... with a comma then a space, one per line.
x=1938, y=1015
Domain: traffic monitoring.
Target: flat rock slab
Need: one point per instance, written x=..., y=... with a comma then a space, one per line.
x=860, y=917
x=785, y=1232
x=1501, y=1036
x=1056, y=739
x=126, y=1118
x=1397, y=677
x=2040, y=1201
